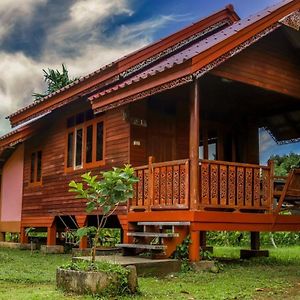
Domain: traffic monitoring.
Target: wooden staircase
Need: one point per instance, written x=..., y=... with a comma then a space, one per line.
x=156, y=239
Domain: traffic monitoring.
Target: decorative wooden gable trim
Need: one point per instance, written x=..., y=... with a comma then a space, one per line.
x=292, y=20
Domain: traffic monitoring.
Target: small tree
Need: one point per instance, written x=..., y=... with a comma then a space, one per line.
x=103, y=196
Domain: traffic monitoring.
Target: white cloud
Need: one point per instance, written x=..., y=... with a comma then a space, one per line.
x=88, y=12
x=20, y=76
x=266, y=142
x=16, y=10
x=78, y=41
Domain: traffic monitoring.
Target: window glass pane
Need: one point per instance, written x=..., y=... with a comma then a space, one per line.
x=32, y=167
x=78, y=160
x=79, y=118
x=99, y=152
x=70, y=150
x=39, y=166
x=89, y=144
x=212, y=149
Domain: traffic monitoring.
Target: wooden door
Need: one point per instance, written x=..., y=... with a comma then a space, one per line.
x=162, y=137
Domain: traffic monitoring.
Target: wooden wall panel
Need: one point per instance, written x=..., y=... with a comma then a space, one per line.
x=166, y=134
x=53, y=198
x=272, y=64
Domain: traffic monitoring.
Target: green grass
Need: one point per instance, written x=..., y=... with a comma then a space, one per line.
x=24, y=276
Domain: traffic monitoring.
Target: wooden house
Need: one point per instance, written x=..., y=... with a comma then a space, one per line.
x=185, y=112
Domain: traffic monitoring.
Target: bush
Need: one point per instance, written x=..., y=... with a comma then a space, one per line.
x=242, y=239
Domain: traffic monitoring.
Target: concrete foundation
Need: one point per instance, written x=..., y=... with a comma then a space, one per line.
x=17, y=246
x=144, y=266
x=246, y=254
x=99, y=252
x=203, y=265
x=55, y=249
x=80, y=282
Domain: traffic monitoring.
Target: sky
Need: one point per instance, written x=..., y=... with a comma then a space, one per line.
x=87, y=34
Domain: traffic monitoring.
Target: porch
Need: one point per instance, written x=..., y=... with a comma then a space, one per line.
x=222, y=186
x=230, y=197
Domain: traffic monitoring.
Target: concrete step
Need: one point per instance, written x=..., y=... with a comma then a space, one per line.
x=154, y=234
x=142, y=246
x=164, y=223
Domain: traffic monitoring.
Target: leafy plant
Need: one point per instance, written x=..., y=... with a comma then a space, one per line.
x=182, y=253
x=28, y=231
x=55, y=80
x=103, y=196
x=284, y=163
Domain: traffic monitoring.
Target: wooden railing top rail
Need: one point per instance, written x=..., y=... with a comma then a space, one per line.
x=227, y=163
x=141, y=167
x=170, y=163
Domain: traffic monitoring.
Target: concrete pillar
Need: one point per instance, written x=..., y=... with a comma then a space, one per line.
x=255, y=247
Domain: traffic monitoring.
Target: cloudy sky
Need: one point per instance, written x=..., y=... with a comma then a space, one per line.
x=86, y=34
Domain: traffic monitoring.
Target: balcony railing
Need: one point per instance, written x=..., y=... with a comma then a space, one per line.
x=235, y=186
x=224, y=186
x=162, y=186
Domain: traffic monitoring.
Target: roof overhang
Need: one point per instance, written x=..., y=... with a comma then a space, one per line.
x=213, y=51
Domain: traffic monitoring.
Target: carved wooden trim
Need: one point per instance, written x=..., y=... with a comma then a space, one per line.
x=292, y=20
x=147, y=93
x=235, y=51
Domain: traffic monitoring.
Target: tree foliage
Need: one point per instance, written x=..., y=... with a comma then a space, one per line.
x=55, y=80
x=284, y=163
x=103, y=196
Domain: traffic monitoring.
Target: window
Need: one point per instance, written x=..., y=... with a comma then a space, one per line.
x=36, y=168
x=85, y=141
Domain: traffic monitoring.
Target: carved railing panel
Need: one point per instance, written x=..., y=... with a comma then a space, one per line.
x=162, y=186
x=235, y=186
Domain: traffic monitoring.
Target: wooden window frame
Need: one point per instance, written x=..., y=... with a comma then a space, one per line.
x=84, y=126
x=35, y=171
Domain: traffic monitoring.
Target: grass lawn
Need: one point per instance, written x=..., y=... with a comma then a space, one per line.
x=24, y=276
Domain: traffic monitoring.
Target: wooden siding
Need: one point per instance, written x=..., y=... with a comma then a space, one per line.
x=53, y=198
x=271, y=63
x=166, y=135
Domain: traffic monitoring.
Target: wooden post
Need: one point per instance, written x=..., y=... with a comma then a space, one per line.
x=151, y=160
x=81, y=221
x=83, y=243
x=194, y=145
x=2, y=236
x=194, y=247
x=203, y=240
x=255, y=240
x=23, y=236
x=272, y=174
x=51, y=235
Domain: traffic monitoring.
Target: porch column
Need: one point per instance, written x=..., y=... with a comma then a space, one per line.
x=194, y=145
x=255, y=246
x=194, y=247
x=255, y=240
x=23, y=236
x=51, y=235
